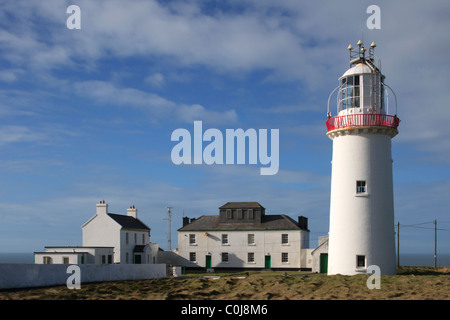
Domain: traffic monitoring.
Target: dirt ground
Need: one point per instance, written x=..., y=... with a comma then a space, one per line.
x=411, y=283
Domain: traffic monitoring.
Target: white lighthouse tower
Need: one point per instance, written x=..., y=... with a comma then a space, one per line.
x=362, y=203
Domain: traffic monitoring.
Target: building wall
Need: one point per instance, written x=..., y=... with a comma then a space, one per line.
x=128, y=247
x=266, y=243
x=91, y=255
x=102, y=231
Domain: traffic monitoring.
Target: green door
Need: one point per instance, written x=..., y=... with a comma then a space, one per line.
x=323, y=262
x=137, y=259
x=267, y=262
x=208, y=262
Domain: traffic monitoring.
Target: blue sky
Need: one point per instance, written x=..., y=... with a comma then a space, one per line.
x=87, y=115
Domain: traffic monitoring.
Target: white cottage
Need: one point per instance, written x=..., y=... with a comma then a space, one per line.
x=243, y=236
x=107, y=238
x=129, y=236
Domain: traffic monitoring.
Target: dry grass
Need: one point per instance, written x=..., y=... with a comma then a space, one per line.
x=411, y=283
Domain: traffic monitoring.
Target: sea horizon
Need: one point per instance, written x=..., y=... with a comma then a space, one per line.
x=406, y=259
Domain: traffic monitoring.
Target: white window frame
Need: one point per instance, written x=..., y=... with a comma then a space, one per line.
x=251, y=239
x=192, y=239
x=225, y=239
x=225, y=257
x=285, y=239
x=361, y=188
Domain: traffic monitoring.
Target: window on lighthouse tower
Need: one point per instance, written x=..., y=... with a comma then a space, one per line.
x=361, y=186
x=350, y=95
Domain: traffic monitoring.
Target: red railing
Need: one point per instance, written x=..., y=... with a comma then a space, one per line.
x=362, y=120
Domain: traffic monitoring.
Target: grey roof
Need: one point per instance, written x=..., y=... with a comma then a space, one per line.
x=232, y=205
x=139, y=248
x=268, y=222
x=128, y=222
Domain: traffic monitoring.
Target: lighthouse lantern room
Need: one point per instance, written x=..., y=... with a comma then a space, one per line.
x=361, y=202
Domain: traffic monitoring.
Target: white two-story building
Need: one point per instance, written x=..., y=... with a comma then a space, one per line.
x=243, y=236
x=107, y=238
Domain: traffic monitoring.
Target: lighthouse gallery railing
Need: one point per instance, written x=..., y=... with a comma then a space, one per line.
x=362, y=120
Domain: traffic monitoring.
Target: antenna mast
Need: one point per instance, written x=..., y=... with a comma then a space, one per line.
x=169, y=238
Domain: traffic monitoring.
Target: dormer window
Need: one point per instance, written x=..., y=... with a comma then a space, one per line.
x=229, y=214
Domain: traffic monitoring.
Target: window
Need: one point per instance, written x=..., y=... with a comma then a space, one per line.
x=47, y=260
x=361, y=186
x=143, y=238
x=360, y=261
x=192, y=239
x=103, y=259
x=251, y=257
x=251, y=239
x=239, y=214
x=65, y=260
x=126, y=257
x=229, y=214
x=250, y=214
x=224, y=239
x=284, y=257
x=224, y=256
x=284, y=238
x=192, y=256
x=135, y=238
x=109, y=258
x=349, y=93
x=126, y=238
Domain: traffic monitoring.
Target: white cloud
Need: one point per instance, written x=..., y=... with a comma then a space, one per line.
x=15, y=134
x=155, y=79
x=108, y=93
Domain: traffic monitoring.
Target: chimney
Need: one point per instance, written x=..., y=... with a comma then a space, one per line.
x=303, y=222
x=102, y=208
x=132, y=212
x=185, y=221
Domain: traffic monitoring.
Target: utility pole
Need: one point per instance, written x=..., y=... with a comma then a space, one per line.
x=398, y=244
x=169, y=237
x=435, y=242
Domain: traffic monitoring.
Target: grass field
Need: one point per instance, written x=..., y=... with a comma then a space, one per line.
x=411, y=283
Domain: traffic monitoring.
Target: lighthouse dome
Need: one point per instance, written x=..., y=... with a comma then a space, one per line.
x=360, y=68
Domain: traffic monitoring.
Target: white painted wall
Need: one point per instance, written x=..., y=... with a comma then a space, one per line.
x=361, y=224
x=102, y=231
x=92, y=255
x=36, y=275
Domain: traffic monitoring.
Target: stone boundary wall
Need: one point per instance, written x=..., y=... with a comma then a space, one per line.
x=16, y=275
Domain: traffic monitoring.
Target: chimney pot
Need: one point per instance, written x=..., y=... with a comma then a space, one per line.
x=132, y=212
x=102, y=208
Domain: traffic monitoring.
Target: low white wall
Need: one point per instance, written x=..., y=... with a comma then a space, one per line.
x=37, y=275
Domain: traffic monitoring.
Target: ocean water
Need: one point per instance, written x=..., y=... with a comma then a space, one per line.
x=406, y=259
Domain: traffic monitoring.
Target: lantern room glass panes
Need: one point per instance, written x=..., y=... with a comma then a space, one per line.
x=350, y=93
